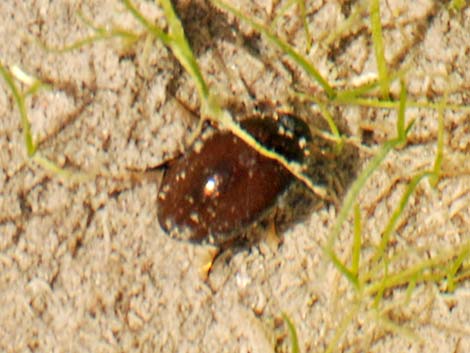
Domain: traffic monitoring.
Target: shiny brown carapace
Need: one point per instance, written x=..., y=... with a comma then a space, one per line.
x=221, y=185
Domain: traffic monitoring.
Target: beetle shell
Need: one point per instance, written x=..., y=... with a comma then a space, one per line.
x=222, y=185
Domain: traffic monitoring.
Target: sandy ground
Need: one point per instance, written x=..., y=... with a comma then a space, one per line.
x=85, y=267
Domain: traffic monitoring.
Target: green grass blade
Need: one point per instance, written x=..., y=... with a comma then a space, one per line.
x=285, y=47
x=354, y=190
x=390, y=227
x=292, y=334
x=182, y=50
x=377, y=38
x=357, y=241
x=55, y=169
x=464, y=255
x=342, y=268
x=153, y=29
x=303, y=15
x=19, y=99
x=101, y=34
x=401, y=131
x=331, y=123
x=177, y=42
x=440, y=143
x=457, y=5
x=344, y=323
x=381, y=288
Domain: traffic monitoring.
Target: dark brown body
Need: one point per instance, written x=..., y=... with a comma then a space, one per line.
x=223, y=185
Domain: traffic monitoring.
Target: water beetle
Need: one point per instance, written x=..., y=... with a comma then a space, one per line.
x=221, y=185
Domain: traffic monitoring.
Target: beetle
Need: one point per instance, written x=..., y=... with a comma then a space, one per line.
x=221, y=185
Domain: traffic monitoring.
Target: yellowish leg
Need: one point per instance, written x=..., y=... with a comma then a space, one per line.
x=272, y=238
x=206, y=257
